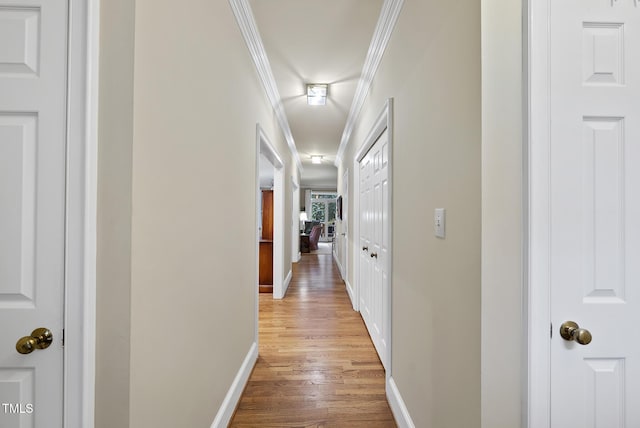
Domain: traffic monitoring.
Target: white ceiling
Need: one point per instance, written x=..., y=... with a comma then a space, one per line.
x=313, y=41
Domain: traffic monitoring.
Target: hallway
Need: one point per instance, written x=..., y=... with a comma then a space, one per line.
x=317, y=365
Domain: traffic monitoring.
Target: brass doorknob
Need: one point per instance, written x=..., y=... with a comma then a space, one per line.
x=570, y=330
x=41, y=338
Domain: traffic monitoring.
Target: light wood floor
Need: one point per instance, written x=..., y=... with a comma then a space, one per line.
x=317, y=365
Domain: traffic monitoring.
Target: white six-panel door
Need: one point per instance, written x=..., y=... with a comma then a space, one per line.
x=344, y=255
x=374, y=243
x=33, y=82
x=594, y=215
x=365, y=239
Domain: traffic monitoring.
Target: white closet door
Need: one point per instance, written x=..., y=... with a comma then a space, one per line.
x=33, y=84
x=374, y=239
x=594, y=186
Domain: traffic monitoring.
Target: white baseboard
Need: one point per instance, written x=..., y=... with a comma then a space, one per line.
x=285, y=284
x=399, y=409
x=297, y=257
x=351, y=293
x=339, y=264
x=228, y=407
x=285, y=287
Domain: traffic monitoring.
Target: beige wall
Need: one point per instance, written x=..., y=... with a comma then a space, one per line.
x=187, y=272
x=180, y=176
x=432, y=70
x=502, y=160
x=114, y=214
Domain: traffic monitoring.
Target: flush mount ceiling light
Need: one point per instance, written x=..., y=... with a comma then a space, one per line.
x=317, y=159
x=317, y=94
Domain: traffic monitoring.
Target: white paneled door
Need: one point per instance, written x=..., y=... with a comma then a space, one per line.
x=365, y=239
x=344, y=246
x=594, y=213
x=374, y=243
x=33, y=91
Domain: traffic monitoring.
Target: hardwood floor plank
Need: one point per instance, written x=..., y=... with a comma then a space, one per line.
x=317, y=365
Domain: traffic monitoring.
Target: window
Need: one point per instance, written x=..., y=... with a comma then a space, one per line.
x=318, y=211
x=323, y=209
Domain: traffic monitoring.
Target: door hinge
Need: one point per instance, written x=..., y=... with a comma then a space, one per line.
x=63, y=337
x=551, y=330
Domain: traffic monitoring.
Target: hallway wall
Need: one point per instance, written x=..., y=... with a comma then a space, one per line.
x=502, y=214
x=432, y=70
x=113, y=294
x=182, y=169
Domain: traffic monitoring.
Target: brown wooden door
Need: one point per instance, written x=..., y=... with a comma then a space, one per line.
x=266, y=243
x=267, y=214
x=266, y=263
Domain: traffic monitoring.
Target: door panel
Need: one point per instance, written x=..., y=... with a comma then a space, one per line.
x=595, y=211
x=20, y=29
x=344, y=235
x=603, y=209
x=17, y=191
x=383, y=254
x=605, y=392
x=374, y=262
x=17, y=387
x=365, y=238
x=33, y=84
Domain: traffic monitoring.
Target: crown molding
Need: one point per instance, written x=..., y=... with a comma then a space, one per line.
x=249, y=29
x=382, y=34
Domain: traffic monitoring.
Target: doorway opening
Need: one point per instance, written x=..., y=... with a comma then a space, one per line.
x=269, y=217
x=323, y=212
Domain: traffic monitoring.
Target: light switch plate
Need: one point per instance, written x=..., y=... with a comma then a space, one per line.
x=438, y=222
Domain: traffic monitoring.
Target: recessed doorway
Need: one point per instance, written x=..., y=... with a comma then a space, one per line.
x=269, y=216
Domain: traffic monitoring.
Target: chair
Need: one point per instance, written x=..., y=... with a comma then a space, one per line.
x=308, y=225
x=314, y=237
